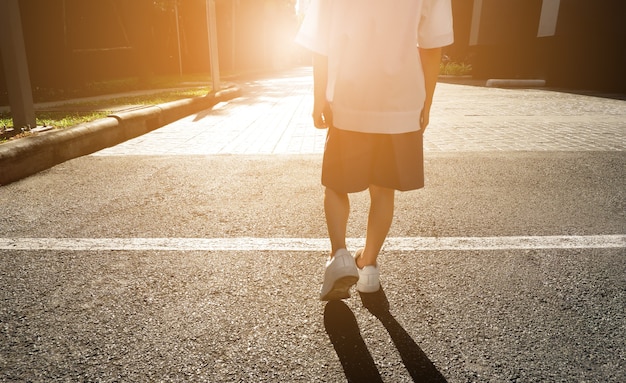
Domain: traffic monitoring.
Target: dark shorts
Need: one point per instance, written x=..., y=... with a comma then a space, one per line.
x=353, y=161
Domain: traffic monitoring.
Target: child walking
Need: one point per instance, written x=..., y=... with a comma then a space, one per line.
x=375, y=66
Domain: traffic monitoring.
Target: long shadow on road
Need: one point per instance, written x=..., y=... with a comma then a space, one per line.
x=357, y=361
x=343, y=331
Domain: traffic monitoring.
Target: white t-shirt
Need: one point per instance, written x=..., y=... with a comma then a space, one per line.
x=375, y=77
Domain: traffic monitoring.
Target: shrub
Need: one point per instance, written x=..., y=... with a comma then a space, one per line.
x=451, y=68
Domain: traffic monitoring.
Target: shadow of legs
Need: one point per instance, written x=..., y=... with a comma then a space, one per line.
x=343, y=331
x=416, y=362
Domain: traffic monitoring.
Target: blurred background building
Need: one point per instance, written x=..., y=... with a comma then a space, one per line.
x=569, y=43
x=73, y=43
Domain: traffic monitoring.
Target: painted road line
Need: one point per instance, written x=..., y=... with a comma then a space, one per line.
x=313, y=244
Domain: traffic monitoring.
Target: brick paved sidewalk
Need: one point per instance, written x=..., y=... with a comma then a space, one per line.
x=273, y=117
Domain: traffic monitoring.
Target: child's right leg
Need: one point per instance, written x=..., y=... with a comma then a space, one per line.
x=378, y=224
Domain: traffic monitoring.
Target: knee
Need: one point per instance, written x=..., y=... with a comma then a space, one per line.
x=328, y=192
x=381, y=192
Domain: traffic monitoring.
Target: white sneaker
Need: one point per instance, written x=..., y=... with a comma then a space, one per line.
x=369, y=276
x=340, y=274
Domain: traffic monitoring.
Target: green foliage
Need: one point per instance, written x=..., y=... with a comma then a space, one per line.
x=129, y=84
x=451, y=68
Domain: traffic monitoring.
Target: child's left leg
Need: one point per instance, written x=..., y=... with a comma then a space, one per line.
x=378, y=224
x=336, y=210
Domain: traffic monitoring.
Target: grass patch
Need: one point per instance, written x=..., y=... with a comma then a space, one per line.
x=121, y=85
x=65, y=114
x=75, y=113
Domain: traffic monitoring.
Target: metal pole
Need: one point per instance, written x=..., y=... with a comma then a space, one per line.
x=180, y=59
x=16, y=65
x=233, y=37
x=212, y=30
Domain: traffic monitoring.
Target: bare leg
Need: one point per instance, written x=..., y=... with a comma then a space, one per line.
x=337, y=210
x=378, y=223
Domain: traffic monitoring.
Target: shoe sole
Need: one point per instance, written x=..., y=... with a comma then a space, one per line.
x=341, y=289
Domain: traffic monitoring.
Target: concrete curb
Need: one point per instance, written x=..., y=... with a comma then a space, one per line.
x=515, y=83
x=27, y=156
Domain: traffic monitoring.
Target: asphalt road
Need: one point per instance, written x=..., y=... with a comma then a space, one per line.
x=147, y=313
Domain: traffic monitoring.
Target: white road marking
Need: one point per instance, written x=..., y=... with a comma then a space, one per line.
x=313, y=244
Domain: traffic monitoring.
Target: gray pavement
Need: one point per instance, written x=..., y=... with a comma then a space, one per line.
x=106, y=274
x=464, y=118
